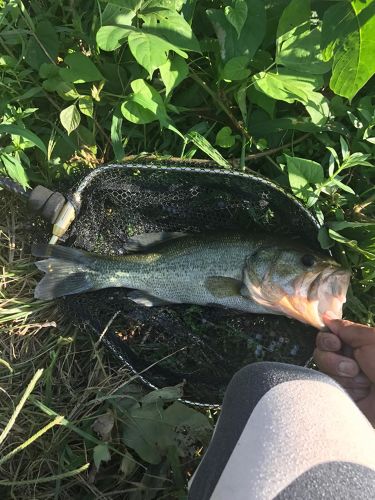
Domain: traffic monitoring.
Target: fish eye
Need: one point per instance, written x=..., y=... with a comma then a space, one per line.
x=308, y=260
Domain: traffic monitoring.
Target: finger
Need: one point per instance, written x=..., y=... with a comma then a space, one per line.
x=359, y=382
x=335, y=364
x=353, y=334
x=358, y=394
x=328, y=342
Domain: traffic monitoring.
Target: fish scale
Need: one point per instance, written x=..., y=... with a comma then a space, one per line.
x=248, y=272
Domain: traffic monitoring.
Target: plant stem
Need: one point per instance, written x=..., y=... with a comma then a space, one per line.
x=56, y=421
x=39, y=480
x=20, y=405
x=239, y=126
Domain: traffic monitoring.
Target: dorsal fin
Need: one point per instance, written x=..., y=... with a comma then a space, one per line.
x=143, y=242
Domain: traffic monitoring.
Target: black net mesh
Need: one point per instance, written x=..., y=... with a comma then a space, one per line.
x=202, y=346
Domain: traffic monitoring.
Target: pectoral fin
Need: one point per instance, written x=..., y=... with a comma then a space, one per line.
x=221, y=286
x=145, y=299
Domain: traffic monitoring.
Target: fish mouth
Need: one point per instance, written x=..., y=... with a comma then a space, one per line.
x=317, y=294
x=311, y=296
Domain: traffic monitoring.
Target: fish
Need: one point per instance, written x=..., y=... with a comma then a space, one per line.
x=252, y=273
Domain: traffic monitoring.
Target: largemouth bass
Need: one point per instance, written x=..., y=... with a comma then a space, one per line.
x=250, y=273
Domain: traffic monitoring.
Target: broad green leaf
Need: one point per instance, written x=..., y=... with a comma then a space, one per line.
x=203, y=144
x=252, y=33
x=297, y=44
x=120, y=12
x=224, y=138
x=289, y=86
x=302, y=52
x=101, y=454
x=111, y=37
x=262, y=100
x=237, y=14
x=166, y=394
x=145, y=105
x=81, y=70
x=48, y=70
x=171, y=26
x=165, y=4
x=86, y=105
x=66, y=90
x=116, y=136
x=44, y=47
x=14, y=169
x=302, y=174
x=348, y=38
x=236, y=69
x=150, y=51
x=296, y=13
x=70, y=118
x=22, y=132
x=173, y=72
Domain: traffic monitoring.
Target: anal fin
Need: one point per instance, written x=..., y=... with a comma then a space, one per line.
x=145, y=299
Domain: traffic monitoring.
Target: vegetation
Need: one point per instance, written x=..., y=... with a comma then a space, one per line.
x=277, y=86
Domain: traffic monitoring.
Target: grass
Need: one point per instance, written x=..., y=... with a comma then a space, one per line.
x=53, y=378
x=66, y=402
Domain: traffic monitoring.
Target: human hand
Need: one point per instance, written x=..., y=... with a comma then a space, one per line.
x=355, y=373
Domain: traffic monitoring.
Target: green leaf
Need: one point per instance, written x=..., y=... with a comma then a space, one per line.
x=289, y=86
x=111, y=37
x=145, y=105
x=262, y=100
x=81, y=70
x=150, y=51
x=252, y=33
x=348, y=37
x=14, y=169
x=237, y=14
x=302, y=174
x=298, y=46
x=44, y=47
x=166, y=394
x=235, y=69
x=120, y=12
x=70, y=118
x=203, y=144
x=353, y=244
x=173, y=72
x=101, y=454
x=169, y=25
x=296, y=13
x=22, y=132
x=86, y=105
x=224, y=138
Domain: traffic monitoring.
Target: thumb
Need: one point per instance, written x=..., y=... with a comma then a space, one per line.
x=350, y=333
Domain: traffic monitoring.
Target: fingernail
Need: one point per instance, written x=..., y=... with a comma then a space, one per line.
x=331, y=343
x=347, y=369
x=361, y=379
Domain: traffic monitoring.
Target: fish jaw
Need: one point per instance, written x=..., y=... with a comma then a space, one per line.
x=313, y=296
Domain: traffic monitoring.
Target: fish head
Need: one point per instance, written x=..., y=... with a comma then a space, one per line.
x=296, y=282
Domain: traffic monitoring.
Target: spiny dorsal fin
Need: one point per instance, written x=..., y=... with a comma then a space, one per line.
x=222, y=286
x=143, y=242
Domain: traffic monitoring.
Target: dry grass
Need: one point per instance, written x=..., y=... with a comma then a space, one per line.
x=77, y=379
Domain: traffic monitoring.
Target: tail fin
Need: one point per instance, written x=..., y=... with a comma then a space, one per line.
x=67, y=271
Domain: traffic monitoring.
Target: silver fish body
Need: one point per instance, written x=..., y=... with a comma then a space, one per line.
x=250, y=273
